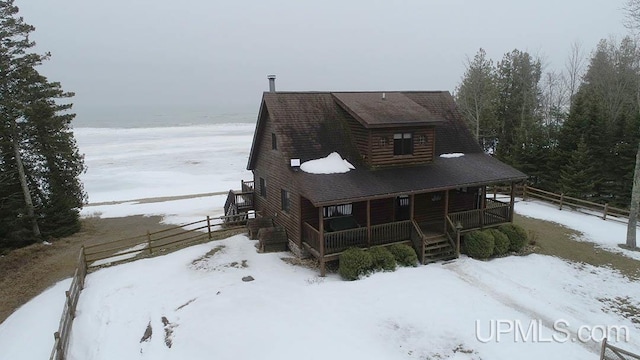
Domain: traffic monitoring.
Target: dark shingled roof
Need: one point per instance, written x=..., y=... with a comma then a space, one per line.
x=395, y=109
x=311, y=125
x=443, y=173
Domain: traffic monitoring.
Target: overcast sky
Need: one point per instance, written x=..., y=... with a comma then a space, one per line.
x=216, y=54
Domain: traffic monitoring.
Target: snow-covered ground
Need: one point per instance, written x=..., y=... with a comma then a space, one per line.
x=197, y=306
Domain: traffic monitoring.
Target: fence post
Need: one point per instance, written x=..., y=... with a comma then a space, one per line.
x=495, y=192
x=58, y=345
x=603, y=348
x=561, y=200
x=524, y=192
x=84, y=266
x=72, y=311
x=606, y=209
x=149, y=242
x=209, y=226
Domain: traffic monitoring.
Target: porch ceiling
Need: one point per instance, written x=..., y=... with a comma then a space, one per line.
x=361, y=184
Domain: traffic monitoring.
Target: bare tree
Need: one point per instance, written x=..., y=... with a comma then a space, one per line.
x=476, y=92
x=574, y=69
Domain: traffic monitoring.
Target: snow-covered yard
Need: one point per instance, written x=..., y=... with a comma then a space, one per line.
x=198, y=307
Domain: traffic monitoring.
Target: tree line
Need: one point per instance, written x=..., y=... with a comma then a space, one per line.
x=573, y=131
x=40, y=190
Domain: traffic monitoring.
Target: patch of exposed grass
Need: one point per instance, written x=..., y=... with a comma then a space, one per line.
x=624, y=306
x=557, y=240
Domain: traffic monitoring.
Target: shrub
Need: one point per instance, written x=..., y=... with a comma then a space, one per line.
x=405, y=255
x=479, y=244
x=501, y=242
x=516, y=234
x=382, y=259
x=354, y=263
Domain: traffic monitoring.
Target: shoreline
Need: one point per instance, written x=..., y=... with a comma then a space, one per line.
x=157, y=199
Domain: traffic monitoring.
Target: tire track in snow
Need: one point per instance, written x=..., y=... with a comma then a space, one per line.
x=510, y=302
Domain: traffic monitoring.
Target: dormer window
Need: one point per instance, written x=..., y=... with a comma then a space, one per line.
x=402, y=144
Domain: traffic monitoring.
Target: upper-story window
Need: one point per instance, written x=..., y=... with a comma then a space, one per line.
x=263, y=187
x=285, y=200
x=403, y=144
x=274, y=142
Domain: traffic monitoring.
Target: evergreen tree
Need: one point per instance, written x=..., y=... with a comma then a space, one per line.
x=39, y=160
x=577, y=176
x=518, y=105
x=475, y=97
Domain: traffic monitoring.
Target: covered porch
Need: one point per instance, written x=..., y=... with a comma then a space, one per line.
x=431, y=222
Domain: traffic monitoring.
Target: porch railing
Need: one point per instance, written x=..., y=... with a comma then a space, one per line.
x=391, y=232
x=495, y=213
x=311, y=236
x=337, y=241
x=244, y=200
x=247, y=186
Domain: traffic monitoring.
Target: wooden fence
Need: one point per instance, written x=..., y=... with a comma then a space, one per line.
x=129, y=249
x=61, y=344
x=602, y=210
x=160, y=242
x=610, y=352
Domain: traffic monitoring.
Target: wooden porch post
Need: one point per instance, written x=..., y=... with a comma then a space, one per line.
x=368, y=223
x=483, y=205
x=323, y=270
x=512, y=201
x=446, y=209
x=412, y=206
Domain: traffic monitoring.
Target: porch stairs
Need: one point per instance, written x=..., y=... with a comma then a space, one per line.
x=438, y=249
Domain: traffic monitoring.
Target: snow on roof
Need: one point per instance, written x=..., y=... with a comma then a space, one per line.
x=332, y=164
x=451, y=155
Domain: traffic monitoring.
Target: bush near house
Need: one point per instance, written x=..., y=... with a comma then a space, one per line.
x=405, y=255
x=479, y=244
x=382, y=259
x=516, y=234
x=354, y=263
x=501, y=242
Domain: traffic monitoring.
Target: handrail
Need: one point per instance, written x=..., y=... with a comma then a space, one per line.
x=452, y=231
x=417, y=239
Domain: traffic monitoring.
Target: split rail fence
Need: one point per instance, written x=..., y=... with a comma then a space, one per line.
x=610, y=352
x=61, y=344
x=602, y=210
x=133, y=248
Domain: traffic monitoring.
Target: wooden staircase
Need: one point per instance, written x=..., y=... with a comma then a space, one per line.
x=438, y=249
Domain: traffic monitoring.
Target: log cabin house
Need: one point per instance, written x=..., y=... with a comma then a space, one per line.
x=420, y=177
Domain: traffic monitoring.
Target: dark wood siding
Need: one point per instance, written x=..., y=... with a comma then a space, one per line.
x=382, y=146
x=462, y=201
x=381, y=211
x=274, y=168
x=429, y=207
x=308, y=212
x=360, y=137
x=360, y=212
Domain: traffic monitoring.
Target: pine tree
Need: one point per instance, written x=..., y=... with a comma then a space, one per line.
x=39, y=160
x=577, y=176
